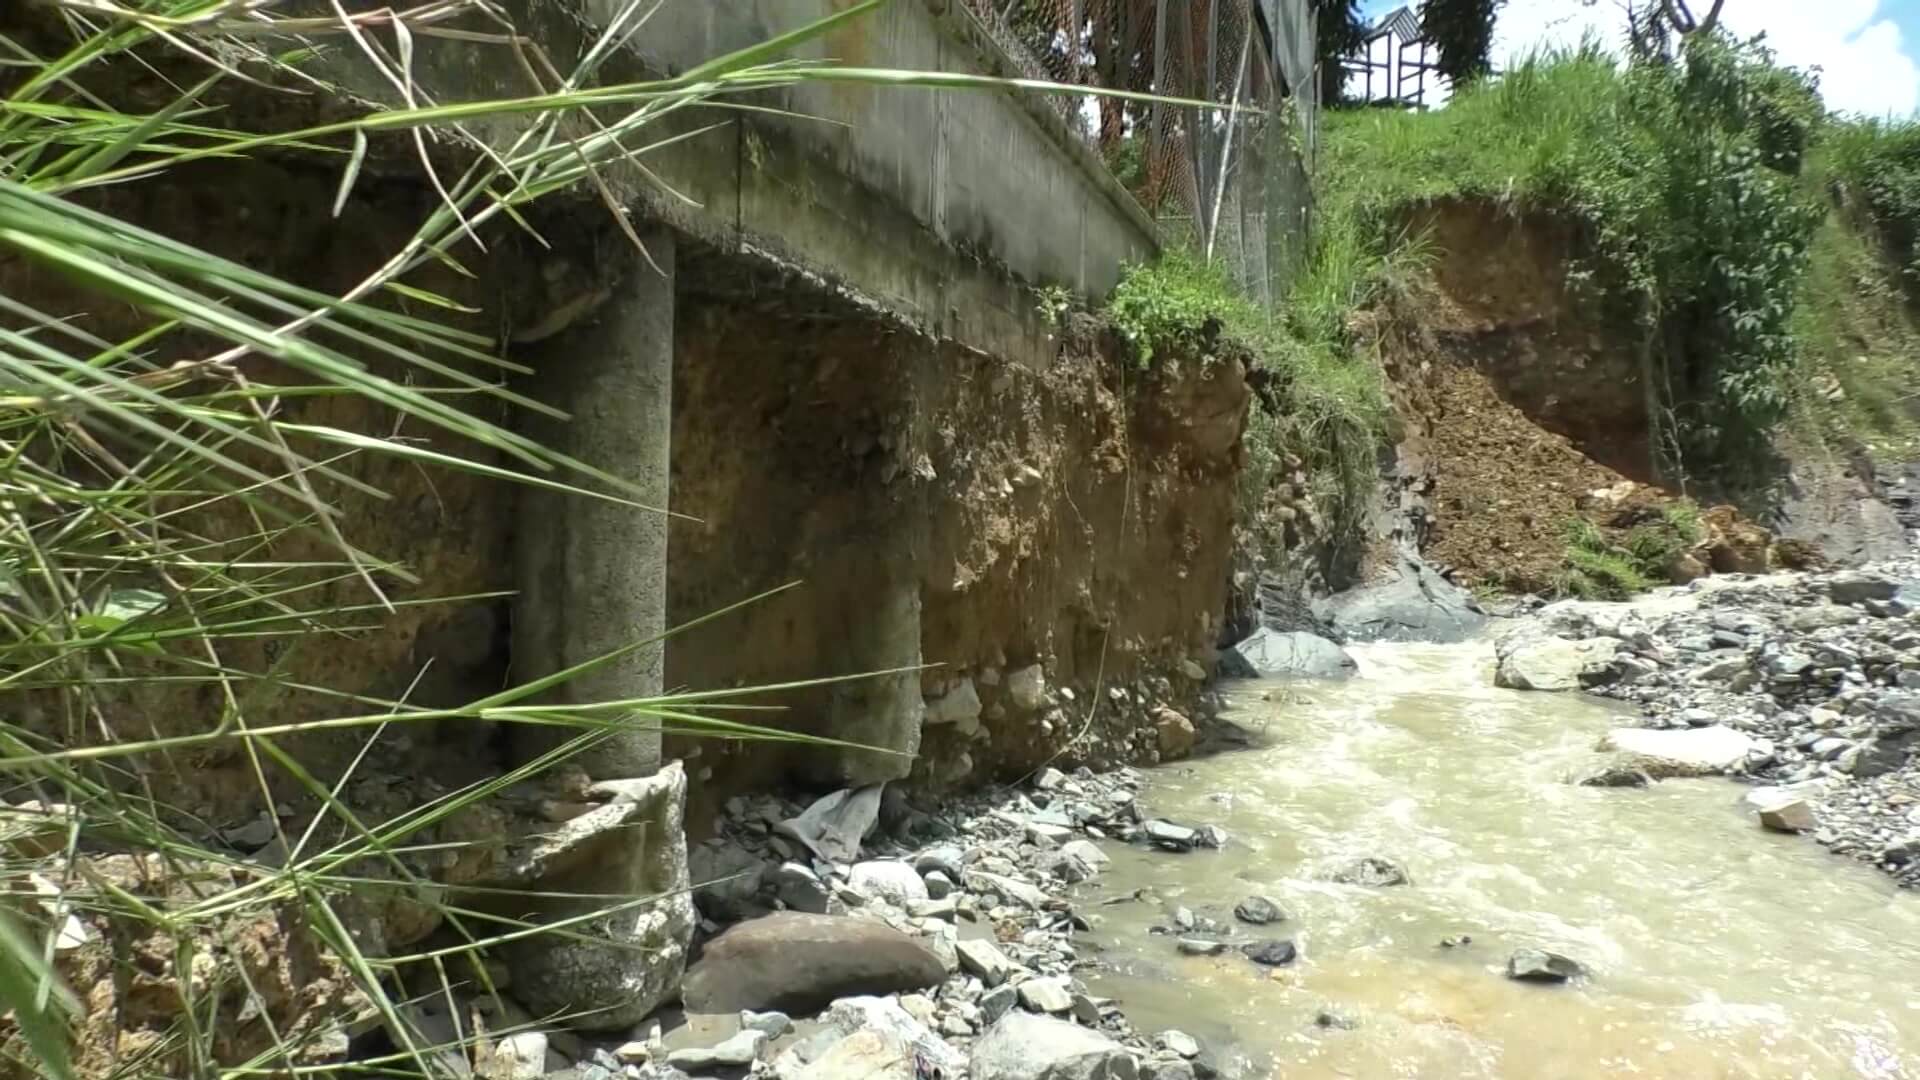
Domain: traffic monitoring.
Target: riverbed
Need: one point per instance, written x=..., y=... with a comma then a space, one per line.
x=1715, y=949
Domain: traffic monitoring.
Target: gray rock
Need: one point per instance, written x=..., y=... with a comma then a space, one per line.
x=1021, y=1046
x=1371, y=871
x=1201, y=946
x=959, y=706
x=1270, y=953
x=774, y=1023
x=1258, y=910
x=1273, y=654
x=1087, y=852
x=1860, y=586
x=1416, y=605
x=1046, y=995
x=1013, y=889
x=1027, y=688
x=1170, y=837
x=800, y=889
x=997, y=1002
x=984, y=959
x=1528, y=661
x=947, y=860
x=1538, y=965
x=727, y=881
x=795, y=962
x=741, y=1049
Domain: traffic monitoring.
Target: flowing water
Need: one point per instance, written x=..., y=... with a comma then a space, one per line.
x=1716, y=950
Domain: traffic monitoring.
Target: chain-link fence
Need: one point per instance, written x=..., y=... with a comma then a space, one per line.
x=1234, y=183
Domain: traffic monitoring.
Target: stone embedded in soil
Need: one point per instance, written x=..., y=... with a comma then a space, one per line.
x=1541, y=966
x=1270, y=953
x=1258, y=910
x=1027, y=687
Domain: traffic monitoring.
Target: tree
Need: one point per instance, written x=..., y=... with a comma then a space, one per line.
x=1462, y=32
x=1338, y=35
x=1657, y=28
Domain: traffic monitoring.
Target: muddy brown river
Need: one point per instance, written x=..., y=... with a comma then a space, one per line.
x=1716, y=950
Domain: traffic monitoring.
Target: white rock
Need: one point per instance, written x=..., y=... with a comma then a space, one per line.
x=519, y=1056
x=959, y=706
x=887, y=879
x=1087, y=852
x=984, y=959
x=1021, y=1046
x=863, y=1055
x=1028, y=687
x=1046, y=995
x=1705, y=751
x=885, y=1017
x=1781, y=810
x=1531, y=662
x=1192, y=670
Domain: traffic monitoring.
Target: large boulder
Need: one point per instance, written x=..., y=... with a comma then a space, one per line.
x=1274, y=654
x=1860, y=586
x=1026, y=1047
x=799, y=963
x=1705, y=751
x=1416, y=604
x=1529, y=660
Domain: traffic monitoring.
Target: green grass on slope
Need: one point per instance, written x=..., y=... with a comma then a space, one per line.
x=1685, y=178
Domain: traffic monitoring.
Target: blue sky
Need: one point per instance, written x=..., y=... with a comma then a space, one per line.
x=1868, y=50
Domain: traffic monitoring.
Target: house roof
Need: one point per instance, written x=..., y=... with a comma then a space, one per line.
x=1401, y=22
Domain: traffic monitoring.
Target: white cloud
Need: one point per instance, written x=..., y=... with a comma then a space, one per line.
x=1864, y=65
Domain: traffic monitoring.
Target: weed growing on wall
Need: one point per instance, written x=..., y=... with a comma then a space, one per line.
x=1322, y=410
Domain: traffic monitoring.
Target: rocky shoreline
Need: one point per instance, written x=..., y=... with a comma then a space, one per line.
x=1806, y=685
x=861, y=937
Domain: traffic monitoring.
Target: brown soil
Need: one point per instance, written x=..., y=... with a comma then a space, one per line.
x=1521, y=409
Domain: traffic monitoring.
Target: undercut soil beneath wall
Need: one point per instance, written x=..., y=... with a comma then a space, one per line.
x=1062, y=535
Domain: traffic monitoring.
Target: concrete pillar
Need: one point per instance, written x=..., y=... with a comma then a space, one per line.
x=592, y=575
x=882, y=714
x=591, y=578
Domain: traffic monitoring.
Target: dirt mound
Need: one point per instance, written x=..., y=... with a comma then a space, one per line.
x=1524, y=419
